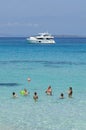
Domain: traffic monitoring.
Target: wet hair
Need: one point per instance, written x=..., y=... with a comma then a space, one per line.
x=35, y=93
x=13, y=93
x=49, y=86
x=25, y=90
x=62, y=94
x=70, y=88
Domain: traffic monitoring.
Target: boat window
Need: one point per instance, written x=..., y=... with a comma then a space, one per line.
x=48, y=38
x=40, y=38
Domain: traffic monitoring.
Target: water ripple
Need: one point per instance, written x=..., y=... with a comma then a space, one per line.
x=45, y=62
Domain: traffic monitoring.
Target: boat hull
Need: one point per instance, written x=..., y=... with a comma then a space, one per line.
x=49, y=42
x=40, y=41
x=42, y=38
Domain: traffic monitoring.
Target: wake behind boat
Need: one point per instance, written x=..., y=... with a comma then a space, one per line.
x=42, y=38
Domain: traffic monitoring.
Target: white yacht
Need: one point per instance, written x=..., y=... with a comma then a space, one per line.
x=42, y=38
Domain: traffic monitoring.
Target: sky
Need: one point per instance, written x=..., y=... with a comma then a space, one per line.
x=28, y=17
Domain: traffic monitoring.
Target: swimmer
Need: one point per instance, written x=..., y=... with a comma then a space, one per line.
x=28, y=79
x=62, y=96
x=25, y=92
x=49, y=91
x=14, y=95
x=70, y=92
x=35, y=96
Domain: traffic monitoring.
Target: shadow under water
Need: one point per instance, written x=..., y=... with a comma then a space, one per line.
x=9, y=84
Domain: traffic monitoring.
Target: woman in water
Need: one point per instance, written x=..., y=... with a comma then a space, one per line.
x=70, y=92
x=25, y=92
x=49, y=91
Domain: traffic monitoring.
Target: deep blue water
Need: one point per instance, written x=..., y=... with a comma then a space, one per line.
x=60, y=65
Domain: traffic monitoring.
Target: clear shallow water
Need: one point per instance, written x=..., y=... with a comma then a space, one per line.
x=60, y=65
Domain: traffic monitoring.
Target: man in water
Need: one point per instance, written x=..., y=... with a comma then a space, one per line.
x=35, y=96
x=62, y=96
x=70, y=92
x=14, y=95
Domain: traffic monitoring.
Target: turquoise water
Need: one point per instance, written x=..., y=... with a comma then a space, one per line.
x=60, y=65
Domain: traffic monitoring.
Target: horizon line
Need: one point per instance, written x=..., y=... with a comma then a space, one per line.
x=55, y=35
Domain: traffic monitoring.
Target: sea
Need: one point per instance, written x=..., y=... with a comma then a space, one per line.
x=61, y=65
